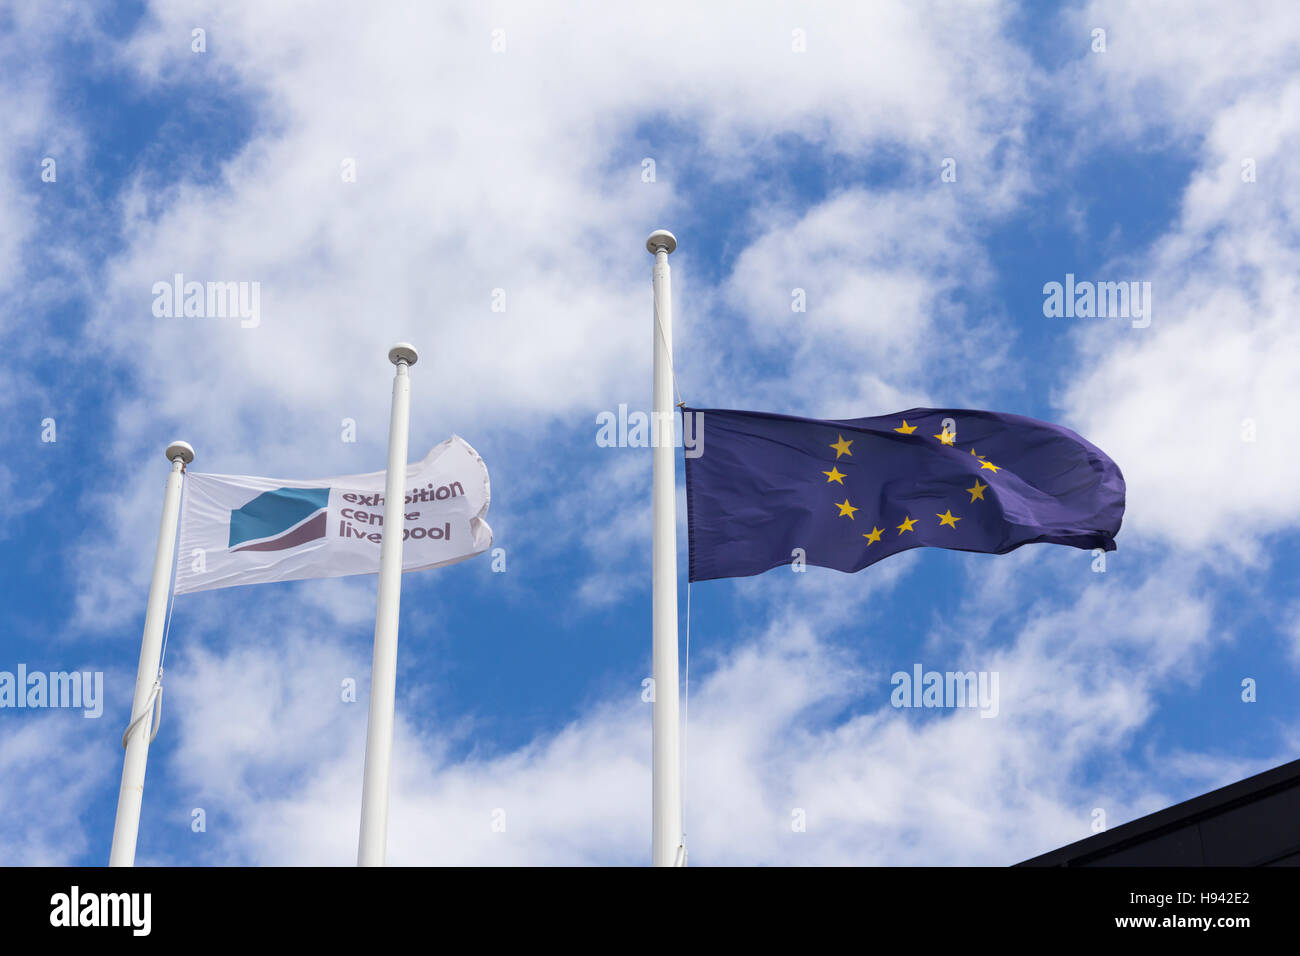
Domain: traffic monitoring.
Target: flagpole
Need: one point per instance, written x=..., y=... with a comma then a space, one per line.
x=148, y=679
x=666, y=832
x=372, y=845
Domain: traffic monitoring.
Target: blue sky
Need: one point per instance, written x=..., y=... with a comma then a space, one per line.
x=522, y=169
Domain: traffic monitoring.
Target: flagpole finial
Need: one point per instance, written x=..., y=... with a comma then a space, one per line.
x=403, y=352
x=182, y=450
x=661, y=239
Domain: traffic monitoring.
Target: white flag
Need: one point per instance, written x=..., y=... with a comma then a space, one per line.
x=243, y=530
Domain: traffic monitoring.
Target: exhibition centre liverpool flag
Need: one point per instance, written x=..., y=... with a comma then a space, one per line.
x=766, y=490
x=241, y=530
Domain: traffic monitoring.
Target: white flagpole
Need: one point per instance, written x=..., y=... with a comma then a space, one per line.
x=148, y=684
x=666, y=831
x=373, y=843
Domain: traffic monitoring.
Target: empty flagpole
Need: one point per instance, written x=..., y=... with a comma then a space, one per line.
x=666, y=831
x=126, y=827
x=372, y=846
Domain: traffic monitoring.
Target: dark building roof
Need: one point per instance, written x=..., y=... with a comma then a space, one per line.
x=1253, y=822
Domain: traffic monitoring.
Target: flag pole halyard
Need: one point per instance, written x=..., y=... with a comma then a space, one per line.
x=372, y=845
x=126, y=826
x=666, y=830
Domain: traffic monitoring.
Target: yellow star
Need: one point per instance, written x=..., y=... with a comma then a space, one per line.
x=842, y=447
x=990, y=466
x=846, y=509
x=906, y=429
x=833, y=475
x=874, y=536
x=977, y=491
x=947, y=518
x=906, y=525
x=946, y=437
x=972, y=451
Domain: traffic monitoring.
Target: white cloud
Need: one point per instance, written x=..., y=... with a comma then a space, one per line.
x=882, y=274
x=37, y=127
x=53, y=765
x=40, y=266
x=479, y=171
x=1170, y=63
x=1199, y=407
x=485, y=171
x=270, y=751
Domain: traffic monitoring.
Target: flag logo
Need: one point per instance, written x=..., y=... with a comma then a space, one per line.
x=242, y=529
x=280, y=519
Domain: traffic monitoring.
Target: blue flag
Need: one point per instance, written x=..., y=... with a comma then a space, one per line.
x=766, y=490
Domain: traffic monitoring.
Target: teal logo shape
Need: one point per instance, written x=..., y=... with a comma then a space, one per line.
x=280, y=519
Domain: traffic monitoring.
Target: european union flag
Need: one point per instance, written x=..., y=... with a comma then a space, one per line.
x=848, y=493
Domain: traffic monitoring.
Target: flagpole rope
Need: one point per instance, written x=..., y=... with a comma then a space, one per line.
x=152, y=705
x=659, y=330
x=167, y=629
